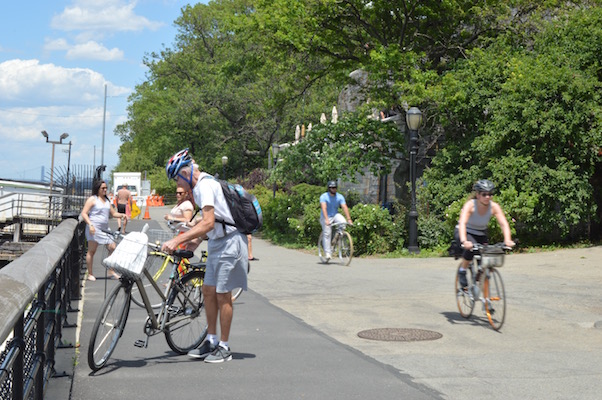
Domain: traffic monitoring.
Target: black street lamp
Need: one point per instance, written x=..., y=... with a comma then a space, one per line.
x=413, y=120
x=275, y=150
x=224, y=162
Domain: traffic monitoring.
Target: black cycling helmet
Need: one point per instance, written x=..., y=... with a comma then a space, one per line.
x=483, y=185
x=332, y=184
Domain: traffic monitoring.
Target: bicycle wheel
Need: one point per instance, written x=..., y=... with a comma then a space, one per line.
x=159, y=265
x=464, y=297
x=109, y=325
x=495, y=298
x=321, y=252
x=345, y=248
x=186, y=321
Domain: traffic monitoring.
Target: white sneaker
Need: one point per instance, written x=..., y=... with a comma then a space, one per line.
x=328, y=256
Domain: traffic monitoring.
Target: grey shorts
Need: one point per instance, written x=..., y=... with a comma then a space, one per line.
x=227, y=263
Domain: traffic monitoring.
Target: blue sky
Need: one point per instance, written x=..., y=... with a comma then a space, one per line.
x=55, y=59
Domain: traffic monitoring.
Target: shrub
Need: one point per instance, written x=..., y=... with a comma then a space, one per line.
x=373, y=229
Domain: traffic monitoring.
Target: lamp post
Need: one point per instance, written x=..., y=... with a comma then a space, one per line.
x=275, y=150
x=224, y=162
x=54, y=142
x=413, y=120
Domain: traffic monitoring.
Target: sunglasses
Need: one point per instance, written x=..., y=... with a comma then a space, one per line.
x=486, y=194
x=180, y=192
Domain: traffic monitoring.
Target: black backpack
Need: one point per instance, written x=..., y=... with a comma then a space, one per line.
x=244, y=207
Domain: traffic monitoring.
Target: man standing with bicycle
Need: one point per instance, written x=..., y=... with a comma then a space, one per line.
x=330, y=202
x=227, y=247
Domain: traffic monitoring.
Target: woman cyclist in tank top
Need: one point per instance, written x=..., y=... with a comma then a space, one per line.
x=472, y=226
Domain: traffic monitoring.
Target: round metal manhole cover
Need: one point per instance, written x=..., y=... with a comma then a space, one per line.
x=399, y=334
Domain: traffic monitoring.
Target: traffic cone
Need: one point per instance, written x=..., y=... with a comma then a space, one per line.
x=146, y=215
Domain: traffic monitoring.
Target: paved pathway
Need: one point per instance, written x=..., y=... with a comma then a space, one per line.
x=295, y=335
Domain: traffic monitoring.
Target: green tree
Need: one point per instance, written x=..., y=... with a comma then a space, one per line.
x=529, y=119
x=341, y=150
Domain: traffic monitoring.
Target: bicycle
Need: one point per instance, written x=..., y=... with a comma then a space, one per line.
x=181, y=317
x=158, y=262
x=484, y=284
x=341, y=244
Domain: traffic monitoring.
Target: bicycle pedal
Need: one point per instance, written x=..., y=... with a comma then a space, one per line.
x=141, y=343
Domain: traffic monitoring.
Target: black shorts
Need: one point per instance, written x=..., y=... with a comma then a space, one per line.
x=468, y=254
x=121, y=208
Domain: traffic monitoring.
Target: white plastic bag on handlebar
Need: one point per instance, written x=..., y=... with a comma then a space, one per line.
x=129, y=256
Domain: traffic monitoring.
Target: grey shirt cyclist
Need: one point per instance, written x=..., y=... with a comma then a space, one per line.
x=330, y=202
x=472, y=225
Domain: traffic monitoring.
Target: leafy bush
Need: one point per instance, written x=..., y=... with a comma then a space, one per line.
x=373, y=230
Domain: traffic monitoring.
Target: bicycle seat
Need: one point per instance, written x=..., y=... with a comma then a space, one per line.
x=183, y=253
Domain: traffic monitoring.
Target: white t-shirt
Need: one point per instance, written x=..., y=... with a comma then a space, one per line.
x=178, y=210
x=208, y=192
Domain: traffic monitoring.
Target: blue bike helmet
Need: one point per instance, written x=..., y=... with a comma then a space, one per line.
x=176, y=163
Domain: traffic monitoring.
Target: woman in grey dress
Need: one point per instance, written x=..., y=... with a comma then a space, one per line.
x=95, y=214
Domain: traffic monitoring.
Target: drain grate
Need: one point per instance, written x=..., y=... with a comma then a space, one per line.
x=399, y=334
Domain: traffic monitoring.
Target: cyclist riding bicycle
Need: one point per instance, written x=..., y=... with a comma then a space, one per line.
x=472, y=225
x=330, y=202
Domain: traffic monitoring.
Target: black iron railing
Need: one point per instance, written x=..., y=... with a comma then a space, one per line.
x=36, y=291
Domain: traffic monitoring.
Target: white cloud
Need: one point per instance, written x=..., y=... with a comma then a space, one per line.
x=100, y=16
x=23, y=124
x=27, y=83
x=94, y=51
x=56, y=44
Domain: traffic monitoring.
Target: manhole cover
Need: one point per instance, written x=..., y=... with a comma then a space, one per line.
x=399, y=334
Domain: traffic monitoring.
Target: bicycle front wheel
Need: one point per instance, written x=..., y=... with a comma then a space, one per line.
x=321, y=252
x=186, y=321
x=159, y=265
x=109, y=325
x=495, y=298
x=345, y=248
x=464, y=296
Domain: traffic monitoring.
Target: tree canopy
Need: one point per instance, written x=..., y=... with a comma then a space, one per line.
x=509, y=88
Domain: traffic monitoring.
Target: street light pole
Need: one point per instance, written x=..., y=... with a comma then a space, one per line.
x=275, y=150
x=54, y=142
x=224, y=162
x=414, y=120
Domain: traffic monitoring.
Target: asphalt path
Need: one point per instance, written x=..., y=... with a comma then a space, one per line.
x=295, y=334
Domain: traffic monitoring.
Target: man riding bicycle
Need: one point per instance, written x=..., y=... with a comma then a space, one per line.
x=330, y=202
x=472, y=225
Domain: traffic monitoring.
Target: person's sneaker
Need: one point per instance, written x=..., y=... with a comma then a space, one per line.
x=203, y=351
x=219, y=355
x=328, y=256
x=462, y=279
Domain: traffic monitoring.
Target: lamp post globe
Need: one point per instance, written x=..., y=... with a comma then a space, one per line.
x=224, y=163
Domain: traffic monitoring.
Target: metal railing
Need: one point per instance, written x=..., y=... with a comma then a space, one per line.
x=35, y=214
x=35, y=295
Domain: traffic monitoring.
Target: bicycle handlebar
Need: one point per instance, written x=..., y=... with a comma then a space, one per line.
x=178, y=227
x=478, y=247
x=116, y=234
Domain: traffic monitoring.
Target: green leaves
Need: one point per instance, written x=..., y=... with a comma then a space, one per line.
x=341, y=150
x=528, y=119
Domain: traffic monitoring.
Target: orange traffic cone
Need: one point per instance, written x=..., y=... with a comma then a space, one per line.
x=146, y=215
